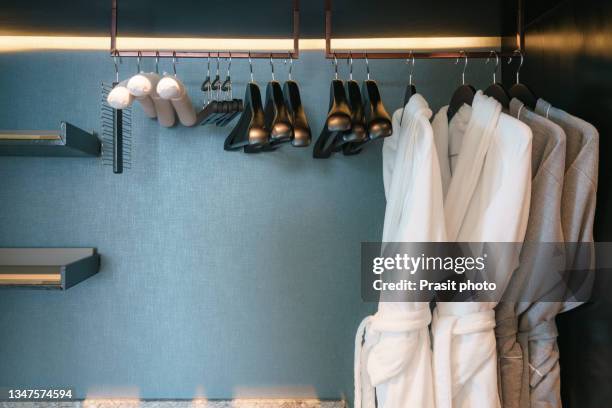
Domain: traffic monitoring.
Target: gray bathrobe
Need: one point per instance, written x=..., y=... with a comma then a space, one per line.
x=537, y=324
x=548, y=167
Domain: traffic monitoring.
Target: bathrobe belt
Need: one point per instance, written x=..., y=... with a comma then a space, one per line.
x=447, y=327
x=384, y=360
x=543, y=333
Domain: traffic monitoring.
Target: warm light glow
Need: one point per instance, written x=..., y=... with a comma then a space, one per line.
x=29, y=136
x=30, y=279
x=111, y=402
x=417, y=43
x=17, y=43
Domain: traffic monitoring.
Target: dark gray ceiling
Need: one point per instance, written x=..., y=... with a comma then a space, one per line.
x=261, y=18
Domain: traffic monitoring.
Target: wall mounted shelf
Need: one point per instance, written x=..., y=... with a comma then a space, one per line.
x=69, y=141
x=46, y=268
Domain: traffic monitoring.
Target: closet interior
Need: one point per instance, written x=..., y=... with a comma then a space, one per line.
x=167, y=191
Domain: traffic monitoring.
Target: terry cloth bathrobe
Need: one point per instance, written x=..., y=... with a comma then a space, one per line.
x=577, y=213
x=486, y=157
x=535, y=276
x=392, y=347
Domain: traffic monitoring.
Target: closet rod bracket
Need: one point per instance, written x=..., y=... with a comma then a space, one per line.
x=295, y=53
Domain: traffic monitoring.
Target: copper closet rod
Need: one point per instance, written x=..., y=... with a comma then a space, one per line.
x=329, y=53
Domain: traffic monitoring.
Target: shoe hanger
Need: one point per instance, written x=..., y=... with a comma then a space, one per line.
x=250, y=132
x=276, y=113
x=355, y=148
x=338, y=118
x=358, y=132
x=497, y=90
x=521, y=91
x=462, y=95
x=302, y=135
x=377, y=119
x=339, y=114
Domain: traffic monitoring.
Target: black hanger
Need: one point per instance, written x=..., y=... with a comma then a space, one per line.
x=377, y=119
x=217, y=111
x=276, y=113
x=358, y=132
x=463, y=95
x=250, y=132
x=410, y=88
x=301, y=130
x=521, y=91
x=497, y=90
x=338, y=119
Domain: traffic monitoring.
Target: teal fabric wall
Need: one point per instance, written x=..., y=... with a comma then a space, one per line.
x=223, y=274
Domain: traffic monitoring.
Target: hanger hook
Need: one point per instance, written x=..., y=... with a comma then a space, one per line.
x=410, y=59
x=349, y=61
x=138, y=57
x=229, y=76
x=116, y=65
x=367, y=61
x=157, y=62
x=290, y=66
x=335, y=62
x=251, y=66
x=218, y=63
x=174, y=62
x=518, y=70
x=496, y=64
x=272, y=67
x=464, y=65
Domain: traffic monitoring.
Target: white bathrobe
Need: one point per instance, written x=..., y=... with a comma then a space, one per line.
x=485, y=160
x=396, y=354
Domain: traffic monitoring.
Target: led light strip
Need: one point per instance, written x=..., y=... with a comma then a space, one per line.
x=23, y=43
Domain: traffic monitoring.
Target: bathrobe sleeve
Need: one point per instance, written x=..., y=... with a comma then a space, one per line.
x=392, y=348
x=537, y=325
x=533, y=279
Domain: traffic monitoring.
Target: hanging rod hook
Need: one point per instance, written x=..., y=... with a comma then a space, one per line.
x=367, y=61
x=218, y=63
x=410, y=59
x=157, y=62
x=251, y=66
x=138, y=58
x=229, y=63
x=349, y=60
x=174, y=62
x=464, y=65
x=272, y=67
x=496, y=64
x=518, y=70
